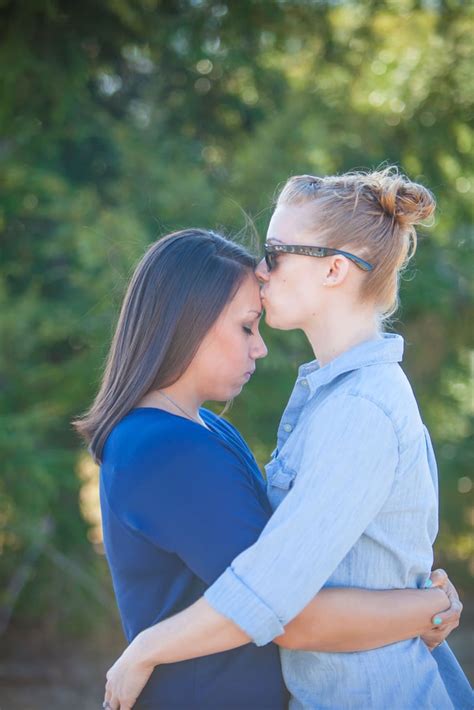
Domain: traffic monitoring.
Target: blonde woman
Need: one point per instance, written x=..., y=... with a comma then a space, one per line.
x=353, y=480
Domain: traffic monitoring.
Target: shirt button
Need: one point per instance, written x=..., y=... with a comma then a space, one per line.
x=287, y=427
x=304, y=383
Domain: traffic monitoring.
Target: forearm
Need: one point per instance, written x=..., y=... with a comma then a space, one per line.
x=345, y=620
x=197, y=631
x=336, y=620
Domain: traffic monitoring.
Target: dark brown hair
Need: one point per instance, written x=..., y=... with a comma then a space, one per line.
x=177, y=292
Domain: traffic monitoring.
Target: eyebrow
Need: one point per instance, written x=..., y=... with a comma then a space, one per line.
x=257, y=313
x=274, y=239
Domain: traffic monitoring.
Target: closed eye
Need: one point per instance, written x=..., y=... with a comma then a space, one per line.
x=247, y=330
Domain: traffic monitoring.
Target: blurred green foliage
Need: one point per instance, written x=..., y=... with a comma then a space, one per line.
x=124, y=119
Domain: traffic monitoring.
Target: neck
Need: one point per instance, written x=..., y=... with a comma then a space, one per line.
x=182, y=393
x=334, y=333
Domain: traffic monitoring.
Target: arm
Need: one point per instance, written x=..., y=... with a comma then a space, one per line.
x=199, y=631
x=344, y=620
x=271, y=582
x=338, y=492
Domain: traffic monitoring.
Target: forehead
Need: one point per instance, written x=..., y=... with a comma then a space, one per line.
x=290, y=222
x=247, y=297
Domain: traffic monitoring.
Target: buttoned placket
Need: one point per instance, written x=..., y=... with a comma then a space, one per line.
x=312, y=378
x=299, y=398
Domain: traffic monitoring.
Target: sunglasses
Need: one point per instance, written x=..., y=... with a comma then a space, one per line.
x=272, y=251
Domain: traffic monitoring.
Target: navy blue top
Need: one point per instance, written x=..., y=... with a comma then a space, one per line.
x=179, y=502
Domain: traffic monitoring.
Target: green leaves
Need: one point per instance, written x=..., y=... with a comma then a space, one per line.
x=124, y=120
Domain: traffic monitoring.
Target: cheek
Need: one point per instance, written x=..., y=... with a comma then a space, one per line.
x=277, y=287
x=291, y=297
x=282, y=290
x=228, y=354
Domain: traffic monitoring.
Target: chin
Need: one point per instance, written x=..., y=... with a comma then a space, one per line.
x=228, y=395
x=235, y=392
x=275, y=323
x=269, y=320
x=271, y=316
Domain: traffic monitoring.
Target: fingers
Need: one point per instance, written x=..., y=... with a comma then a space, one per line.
x=107, y=698
x=437, y=635
x=440, y=625
x=450, y=617
x=108, y=694
x=111, y=703
x=433, y=638
x=452, y=594
x=439, y=578
x=431, y=647
x=453, y=614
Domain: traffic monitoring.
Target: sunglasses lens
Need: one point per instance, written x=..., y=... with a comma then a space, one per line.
x=269, y=260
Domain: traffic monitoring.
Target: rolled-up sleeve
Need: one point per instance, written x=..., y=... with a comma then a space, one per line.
x=348, y=465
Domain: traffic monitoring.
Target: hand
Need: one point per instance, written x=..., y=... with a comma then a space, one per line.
x=449, y=618
x=127, y=677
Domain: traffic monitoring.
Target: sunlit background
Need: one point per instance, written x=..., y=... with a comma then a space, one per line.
x=124, y=119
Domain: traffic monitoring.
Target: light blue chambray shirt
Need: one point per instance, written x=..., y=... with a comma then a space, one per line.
x=353, y=483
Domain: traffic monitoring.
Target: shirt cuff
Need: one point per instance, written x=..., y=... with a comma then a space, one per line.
x=230, y=596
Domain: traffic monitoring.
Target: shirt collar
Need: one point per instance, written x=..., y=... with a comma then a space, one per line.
x=386, y=349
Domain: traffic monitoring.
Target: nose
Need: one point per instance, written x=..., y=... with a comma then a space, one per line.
x=260, y=349
x=261, y=272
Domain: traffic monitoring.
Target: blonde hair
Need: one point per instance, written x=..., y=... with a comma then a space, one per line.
x=372, y=214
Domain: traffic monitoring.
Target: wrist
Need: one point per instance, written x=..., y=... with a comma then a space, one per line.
x=146, y=648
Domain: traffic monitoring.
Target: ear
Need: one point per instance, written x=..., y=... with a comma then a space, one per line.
x=336, y=273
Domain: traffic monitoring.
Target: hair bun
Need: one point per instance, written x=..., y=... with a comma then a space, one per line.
x=407, y=202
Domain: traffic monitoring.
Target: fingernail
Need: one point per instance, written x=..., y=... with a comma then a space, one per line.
x=428, y=583
x=437, y=620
